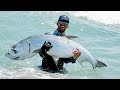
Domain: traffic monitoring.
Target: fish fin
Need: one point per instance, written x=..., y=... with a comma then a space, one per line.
x=36, y=51
x=101, y=64
x=71, y=37
x=55, y=58
x=80, y=63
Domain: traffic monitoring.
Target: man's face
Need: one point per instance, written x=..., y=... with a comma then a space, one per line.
x=62, y=26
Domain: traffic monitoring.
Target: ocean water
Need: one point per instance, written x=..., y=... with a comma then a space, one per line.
x=97, y=31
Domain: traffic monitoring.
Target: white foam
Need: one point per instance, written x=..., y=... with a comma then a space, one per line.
x=107, y=17
x=28, y=73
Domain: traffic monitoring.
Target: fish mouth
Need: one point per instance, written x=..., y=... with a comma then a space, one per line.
x=8, y=55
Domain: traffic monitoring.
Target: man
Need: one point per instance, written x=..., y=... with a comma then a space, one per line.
x=48, y=63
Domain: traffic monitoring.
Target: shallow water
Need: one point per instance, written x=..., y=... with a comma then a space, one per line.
x=99, y=34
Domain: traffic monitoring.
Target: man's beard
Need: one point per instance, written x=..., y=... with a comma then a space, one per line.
x=61, y=30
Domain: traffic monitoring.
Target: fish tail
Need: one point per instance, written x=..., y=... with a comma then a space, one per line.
x=101, y=64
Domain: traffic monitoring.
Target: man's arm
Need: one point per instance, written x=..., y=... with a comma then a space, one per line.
x=48, y=61
x=45, y=47
x=72, y=59
x=67, y=60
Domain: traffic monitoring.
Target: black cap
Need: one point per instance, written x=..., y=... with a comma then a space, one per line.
x=63, y=18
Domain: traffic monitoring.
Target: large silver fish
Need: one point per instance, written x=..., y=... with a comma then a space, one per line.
x=62, y=48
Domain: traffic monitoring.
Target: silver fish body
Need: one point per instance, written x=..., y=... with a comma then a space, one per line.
x=62, y=48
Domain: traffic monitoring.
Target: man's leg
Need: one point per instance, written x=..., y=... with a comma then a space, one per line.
x=60, y=65
x=44, y=65
x=61, y=62
x=49, y=65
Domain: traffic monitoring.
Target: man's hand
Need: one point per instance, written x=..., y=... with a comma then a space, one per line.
x=76, y=53
x=45, y=47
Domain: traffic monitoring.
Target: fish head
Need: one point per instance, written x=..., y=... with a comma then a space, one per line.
x=14, y=52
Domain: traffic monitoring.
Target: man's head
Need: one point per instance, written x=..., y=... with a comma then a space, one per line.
x=63, y=23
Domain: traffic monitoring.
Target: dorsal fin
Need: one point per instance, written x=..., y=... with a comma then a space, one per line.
x=71, y=37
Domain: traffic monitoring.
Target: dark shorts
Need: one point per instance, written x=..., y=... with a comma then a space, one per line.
x=62, y=71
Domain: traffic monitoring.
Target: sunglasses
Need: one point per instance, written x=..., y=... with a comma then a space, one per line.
x=65, y=23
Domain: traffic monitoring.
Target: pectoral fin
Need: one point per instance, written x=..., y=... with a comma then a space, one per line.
x=36, y=51
x=80, y=63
